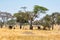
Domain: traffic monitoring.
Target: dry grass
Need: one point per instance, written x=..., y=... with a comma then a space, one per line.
x=17, y=34
x=20, y=34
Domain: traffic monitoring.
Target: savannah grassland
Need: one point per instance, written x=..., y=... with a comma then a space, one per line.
x=20, y=34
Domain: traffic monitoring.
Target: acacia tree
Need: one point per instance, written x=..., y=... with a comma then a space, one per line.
x=37, y=9
x=30, y=15
x=21, y=18
x=51, y=20
x=11, y=23
x=54, y=17
x=58, y=18
x=46, y=22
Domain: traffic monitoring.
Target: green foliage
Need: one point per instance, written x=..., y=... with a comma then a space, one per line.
x=46, y=22
x=55, y=17
x=1, y=23
x=50, y=20
x=40, y=9
x=11, y=22
x=26, y=16
x=21, y=17
x=36, y=22
x=47, y=18
x=58, y=20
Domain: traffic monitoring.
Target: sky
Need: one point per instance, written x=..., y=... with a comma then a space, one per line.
x=13, y=6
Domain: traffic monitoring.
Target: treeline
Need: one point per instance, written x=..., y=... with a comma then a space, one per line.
x=27, y=17
x=49, y=21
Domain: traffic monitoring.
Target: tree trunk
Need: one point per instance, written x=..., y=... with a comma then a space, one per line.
x=53, y=24
x=52, y=27
x=39, y=27
x=1, y=26
x=44, y=28
x=31, y=27
x=48, y=27
x=20, y=25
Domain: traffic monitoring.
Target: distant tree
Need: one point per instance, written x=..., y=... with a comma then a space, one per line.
x=1, y=24
x=5, y=16
x=46, y=22
x=11, y=23
x=58, y=20
x=21, y=18
x=54, y=18
x=30, y=16
x=37, y=9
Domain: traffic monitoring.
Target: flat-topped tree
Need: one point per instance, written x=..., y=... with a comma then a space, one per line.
x=5, y=16
x=37, y=9
x=30, y=15
x=21, y=17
